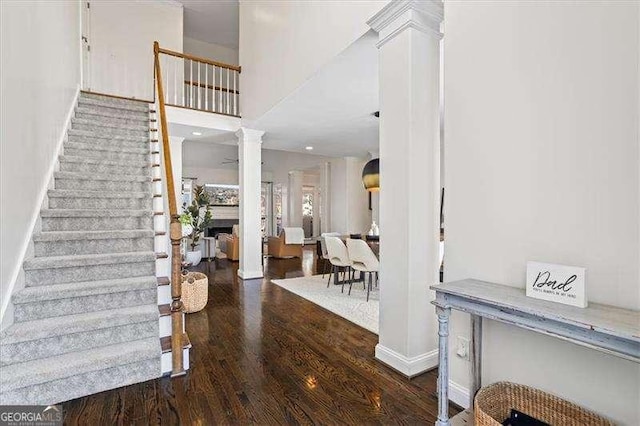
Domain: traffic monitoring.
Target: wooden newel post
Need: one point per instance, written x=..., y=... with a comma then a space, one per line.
x=175, y=234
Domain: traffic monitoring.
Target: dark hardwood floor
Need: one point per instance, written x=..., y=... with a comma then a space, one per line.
x=262, y=355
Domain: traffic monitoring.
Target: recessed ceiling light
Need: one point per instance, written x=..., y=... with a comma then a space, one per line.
x=308, y=148
x=196, y=133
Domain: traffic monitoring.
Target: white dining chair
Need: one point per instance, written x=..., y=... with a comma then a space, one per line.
x=363, y=260
x=338, y=257
x=323, y=249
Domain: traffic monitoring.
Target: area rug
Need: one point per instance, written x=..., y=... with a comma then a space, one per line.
x=354, y=308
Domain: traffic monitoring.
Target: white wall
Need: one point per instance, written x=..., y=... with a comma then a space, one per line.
x=40, y=77
x=542, y=163
x=211, y=51
x=349, y=205
x=285, y=42
x=121, y=37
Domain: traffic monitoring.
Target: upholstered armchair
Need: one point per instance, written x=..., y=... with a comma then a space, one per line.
x=233, y=245
x=282, y=246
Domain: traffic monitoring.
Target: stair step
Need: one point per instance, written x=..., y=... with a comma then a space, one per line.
x=106, y=111
x=100, y=129
x=76, y=268
x=142, y=150
x=95, y=165
x=122, y=121
x=164, y=310
x=62, y=243
x=86, y=136
x=82, y=219
x=41, y=338
x=93, y=182
x=109, y=102
x=63, y=377
x=110, y=155
x=163, y=281
x=48, y=301
x=165, y=343
x=73, y=199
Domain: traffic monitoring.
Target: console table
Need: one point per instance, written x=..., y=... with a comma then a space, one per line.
x=605, y=328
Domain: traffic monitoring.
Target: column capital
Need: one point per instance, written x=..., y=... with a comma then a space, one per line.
x=422, y=15
x=249, y=135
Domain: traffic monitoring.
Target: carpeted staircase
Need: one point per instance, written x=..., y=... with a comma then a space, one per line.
x=87, y=319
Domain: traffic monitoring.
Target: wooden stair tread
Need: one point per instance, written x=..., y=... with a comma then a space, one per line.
x=163, y=281
x=165, y=310
x=162, y=255
x=165, y=343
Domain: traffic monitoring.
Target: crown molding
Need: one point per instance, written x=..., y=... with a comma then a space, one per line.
x=422, y=15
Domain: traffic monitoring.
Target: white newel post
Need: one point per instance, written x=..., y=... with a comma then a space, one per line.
x=250, y=168
x=409, y=53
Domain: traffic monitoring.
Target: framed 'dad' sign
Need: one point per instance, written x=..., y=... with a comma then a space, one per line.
x=557, y=283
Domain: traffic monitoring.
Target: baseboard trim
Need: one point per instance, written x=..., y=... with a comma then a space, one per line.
x=459, y=395
x=409, y=367
x=4, y=308
x=250, y=275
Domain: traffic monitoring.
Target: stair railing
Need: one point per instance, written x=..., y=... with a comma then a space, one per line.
x=200, y=84
x=175, y=229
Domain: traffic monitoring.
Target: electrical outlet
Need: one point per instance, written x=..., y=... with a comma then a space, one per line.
x=462, y=347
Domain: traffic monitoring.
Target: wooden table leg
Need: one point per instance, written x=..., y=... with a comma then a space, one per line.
x=475, y=356
x=443, y=366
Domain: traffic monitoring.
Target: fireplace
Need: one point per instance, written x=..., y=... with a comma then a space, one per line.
x=221, y=226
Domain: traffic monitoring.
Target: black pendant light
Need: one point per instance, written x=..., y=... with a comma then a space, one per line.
x=371, y=175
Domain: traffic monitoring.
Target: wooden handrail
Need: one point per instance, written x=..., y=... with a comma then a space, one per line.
x=209, y=86
x=175, y=230
x=199, y=59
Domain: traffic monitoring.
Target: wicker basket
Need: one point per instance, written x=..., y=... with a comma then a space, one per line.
x=195, y=291
x=493, y=405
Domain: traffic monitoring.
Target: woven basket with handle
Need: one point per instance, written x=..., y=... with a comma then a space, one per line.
x=195, y=291
x=493, y=404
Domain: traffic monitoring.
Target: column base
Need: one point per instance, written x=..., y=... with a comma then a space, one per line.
x=250, y=275
x=409, y=367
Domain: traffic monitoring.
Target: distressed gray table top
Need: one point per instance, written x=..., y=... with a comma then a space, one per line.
x=624, y=323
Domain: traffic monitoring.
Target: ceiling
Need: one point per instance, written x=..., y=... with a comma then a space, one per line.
x=213, y=21
x=332, y=111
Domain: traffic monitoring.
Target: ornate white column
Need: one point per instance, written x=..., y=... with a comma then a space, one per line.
x=250, y=169
x=409, y=54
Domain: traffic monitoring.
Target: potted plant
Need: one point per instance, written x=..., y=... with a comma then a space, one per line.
x=194, y=222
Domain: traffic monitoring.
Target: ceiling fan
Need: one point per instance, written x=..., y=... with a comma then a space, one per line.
x=234, y=161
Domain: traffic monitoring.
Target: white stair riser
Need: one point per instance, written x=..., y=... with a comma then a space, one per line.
x=108, y=245
x=34, y=277
x=164, y=295
x=58, y=345
x=83, y=304
x=167, y=361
